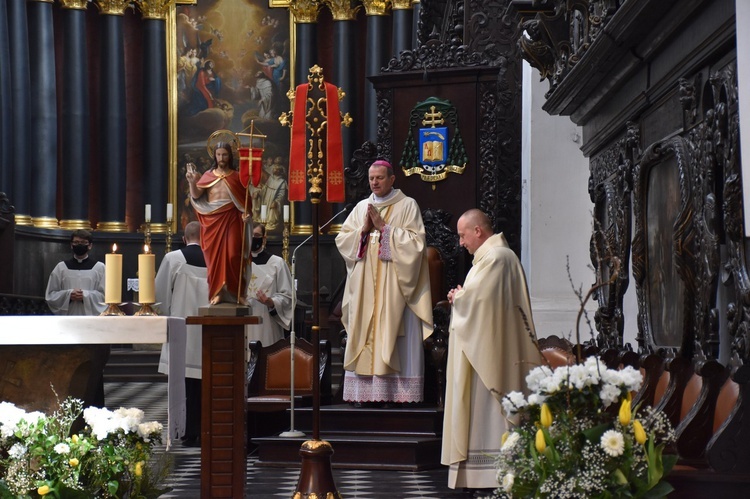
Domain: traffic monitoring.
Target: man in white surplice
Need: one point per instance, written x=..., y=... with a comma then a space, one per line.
x=76, y=286
x=269, y=292
x=181, y=289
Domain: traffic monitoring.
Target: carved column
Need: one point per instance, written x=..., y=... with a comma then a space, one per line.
x=20, y=83
x=6, y=138
x=417, y=9
x=376, y=57
x=113, y=118
x=155, y=110
x=402, y=26
x=344, y=73
x=306, y=16
x=43, y=151
x=75, y=118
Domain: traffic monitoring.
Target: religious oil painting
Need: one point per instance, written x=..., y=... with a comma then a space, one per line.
x=666, y=290
x=233, y=73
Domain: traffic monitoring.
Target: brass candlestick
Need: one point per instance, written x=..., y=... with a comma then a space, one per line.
x=168, y=246
x=146, y=227
x=146, y=310
x=285, y=243
x=112, y=310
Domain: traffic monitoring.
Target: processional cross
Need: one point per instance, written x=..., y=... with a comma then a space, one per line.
x=316, y=154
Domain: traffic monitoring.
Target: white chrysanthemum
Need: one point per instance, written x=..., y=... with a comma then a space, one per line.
x=100, y=420
x=510, y=442
x=609, y=394
x=508, y=480
x=10, y=415
x=513, y=402
x=150, y=429
x=62, y=448
x=632, y=378
x=128, y=419
x=613, y=443
x=537, y=399
x=17, y=451
x=535, y=376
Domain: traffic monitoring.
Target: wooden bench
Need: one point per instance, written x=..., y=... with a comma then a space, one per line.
x=269, y=382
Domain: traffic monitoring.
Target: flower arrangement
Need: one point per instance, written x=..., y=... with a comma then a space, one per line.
x=39, y=457
x=571, y=440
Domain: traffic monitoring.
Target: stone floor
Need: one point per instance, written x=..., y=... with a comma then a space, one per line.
x=274, y=482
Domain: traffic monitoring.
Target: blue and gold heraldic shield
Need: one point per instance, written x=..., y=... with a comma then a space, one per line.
x=427, y=151
x=433, y=148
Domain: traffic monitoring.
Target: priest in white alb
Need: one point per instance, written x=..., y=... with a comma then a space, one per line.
x=269, y=292
x=489, y=354
x=181, y=288
x=387, y=306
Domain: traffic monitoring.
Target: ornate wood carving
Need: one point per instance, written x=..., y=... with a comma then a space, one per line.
x=664, y=247
x=355, y=175
x=385, y=123
x=441, y=236
x=610, y=188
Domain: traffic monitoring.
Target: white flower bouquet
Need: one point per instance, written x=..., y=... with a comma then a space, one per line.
x=572, y=441
x=39, y=457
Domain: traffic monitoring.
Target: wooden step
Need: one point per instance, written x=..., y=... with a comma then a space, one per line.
x=128, y=365
x=357, y=451
x=344, y=418
x=400, y=438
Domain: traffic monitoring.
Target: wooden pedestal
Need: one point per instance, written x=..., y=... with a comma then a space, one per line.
x=224, y=390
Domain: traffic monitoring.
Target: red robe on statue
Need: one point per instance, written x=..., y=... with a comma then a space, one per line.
x=221, y=233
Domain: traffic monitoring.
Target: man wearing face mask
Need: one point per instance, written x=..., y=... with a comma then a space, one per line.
x=269, y=292
x=76, y=286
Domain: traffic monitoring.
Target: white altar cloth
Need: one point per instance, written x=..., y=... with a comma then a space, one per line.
x=77, y=330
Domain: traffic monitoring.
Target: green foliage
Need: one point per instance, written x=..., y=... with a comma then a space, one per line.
x=589, y=450
x=111, y=457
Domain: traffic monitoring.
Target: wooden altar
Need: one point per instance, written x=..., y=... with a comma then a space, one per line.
x=39, y=351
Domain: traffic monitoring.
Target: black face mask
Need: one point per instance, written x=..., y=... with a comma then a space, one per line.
x=80, y=249
x=257, y=244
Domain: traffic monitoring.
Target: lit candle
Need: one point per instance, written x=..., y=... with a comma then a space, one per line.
x=113, y=276
x=148, y=213
x=286, y=213
x=169, y=212
x=263, y=213
x=146, y=274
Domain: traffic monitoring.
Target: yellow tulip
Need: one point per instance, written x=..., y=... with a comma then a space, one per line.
x=74, y=439
x=625, y=413
x=546, y=416
x=73, y=462
x=504, y=438
x=539, y=442
x=139, y=468
x=43, y=490
x=640, y=433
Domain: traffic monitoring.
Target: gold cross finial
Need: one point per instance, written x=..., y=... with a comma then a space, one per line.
x=433, y=118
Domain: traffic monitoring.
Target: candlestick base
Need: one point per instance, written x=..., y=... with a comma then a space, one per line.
x=112, y=309
x=146, y=310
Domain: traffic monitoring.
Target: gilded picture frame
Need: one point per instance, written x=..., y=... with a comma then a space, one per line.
x=231, y=65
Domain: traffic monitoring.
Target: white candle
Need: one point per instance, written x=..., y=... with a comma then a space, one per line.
x=169, y=212
x=146, y=274
x=263, y=212
x=113, y=277
x=148, y=213
x=286, y=213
